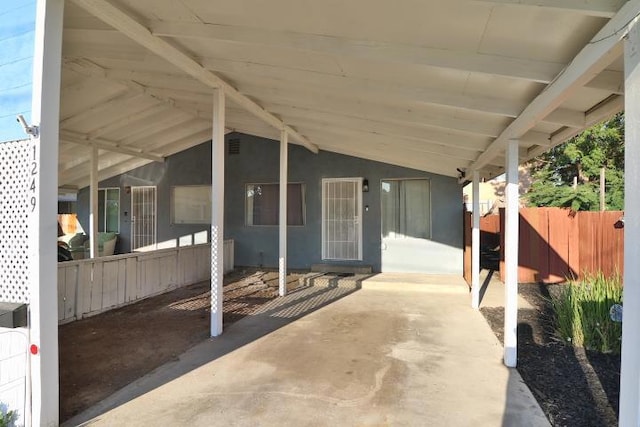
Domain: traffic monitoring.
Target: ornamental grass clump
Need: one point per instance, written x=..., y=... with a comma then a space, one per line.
x=582, y=312
x=7, y=419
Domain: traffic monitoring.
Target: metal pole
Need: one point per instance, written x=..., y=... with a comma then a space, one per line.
x=511, y=257
x=93, y=204
x=217, y=211
x=282, y=260
x=475, y=242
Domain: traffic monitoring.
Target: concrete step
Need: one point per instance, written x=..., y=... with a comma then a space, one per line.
x=342, y=268
x=333, y=280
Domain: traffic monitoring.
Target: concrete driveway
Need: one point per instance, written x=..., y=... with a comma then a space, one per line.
x=403, y=350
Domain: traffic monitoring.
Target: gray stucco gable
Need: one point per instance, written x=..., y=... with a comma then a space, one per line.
x=258, y=162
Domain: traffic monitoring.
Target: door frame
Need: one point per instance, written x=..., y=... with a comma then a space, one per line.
x=430, y=201
x=394, y=242
x=155, y=216
x=359, y=219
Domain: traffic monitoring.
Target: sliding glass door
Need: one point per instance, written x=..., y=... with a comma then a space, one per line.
x=406, y=224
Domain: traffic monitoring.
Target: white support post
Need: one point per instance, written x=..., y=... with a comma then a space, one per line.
x=217, y=211
x=43, y=308
x=282, y=259
x=93, y=204
x=511, y=256
x=475, y=242
x=630, y=369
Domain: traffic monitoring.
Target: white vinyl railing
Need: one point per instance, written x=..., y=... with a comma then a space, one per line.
x=91, y=286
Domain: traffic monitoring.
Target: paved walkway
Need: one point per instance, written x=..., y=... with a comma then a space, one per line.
x=396, y=352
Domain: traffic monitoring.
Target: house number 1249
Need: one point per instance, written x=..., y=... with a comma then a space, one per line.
x=34, y=174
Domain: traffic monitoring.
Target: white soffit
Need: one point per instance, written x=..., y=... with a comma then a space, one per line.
x=430, y=85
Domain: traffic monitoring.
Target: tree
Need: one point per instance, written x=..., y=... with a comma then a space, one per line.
x=581, y=158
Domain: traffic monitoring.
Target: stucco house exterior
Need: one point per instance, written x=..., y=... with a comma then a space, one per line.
x=404, y=221
x=405, y=100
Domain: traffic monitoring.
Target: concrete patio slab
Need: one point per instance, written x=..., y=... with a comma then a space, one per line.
x=446, y=283
x=369, y=357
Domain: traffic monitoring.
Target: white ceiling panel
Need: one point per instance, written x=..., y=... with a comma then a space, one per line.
x=431, y=85
x=535, y=34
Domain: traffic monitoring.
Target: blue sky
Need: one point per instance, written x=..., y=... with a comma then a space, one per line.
x=17, y=28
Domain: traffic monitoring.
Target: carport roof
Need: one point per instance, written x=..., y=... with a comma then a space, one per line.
x=438, y=86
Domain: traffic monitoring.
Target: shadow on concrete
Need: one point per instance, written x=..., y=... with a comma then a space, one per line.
x=267, y=318
x=516, y=407
x=557, y=377
x=485, y=285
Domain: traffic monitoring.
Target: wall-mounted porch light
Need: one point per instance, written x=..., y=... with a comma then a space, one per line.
x=365, y=185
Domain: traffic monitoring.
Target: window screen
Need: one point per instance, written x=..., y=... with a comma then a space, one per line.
x=341, y=219
x=263, y=206
x=109, y=210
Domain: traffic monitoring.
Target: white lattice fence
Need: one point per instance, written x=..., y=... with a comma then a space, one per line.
x=17, y=201
x=18, y=170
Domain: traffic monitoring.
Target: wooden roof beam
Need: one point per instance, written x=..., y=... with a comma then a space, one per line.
x=600, y=8
x=604, y=47
x=336, y=86
x=119, y=122
x=605, y=110
x=82, y=180
x=419, y=161
x=392, y=142
x=310, y=82
x=519, y=68
x=544, y=72
x=473, y=143
x=94, y=71
x=384, y=113
x=97, y=107
x=79, y=177
x=130, y=27
x=609, y=81
x=106, y=145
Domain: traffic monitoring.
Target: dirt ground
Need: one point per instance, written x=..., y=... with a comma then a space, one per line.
x=102, y=354
x=574, y=387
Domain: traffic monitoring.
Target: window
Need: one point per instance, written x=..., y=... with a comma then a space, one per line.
x=109, y=210
x=191, y=204
x=263, y=204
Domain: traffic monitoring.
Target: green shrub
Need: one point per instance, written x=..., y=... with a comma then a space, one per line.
x=582, y=312
x=7, y=419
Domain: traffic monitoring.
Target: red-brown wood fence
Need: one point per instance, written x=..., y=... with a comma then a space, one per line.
x=556, y=244
x=69, y=223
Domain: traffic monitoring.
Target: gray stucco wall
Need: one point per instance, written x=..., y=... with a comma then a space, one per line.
x=258, y=163
x=190, y=167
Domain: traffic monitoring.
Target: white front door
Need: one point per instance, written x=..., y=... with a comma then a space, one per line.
x=341, y=219
x=406, y=225
x=143, y=218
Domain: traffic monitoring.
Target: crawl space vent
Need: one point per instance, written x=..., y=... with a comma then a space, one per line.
x=234, y=147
